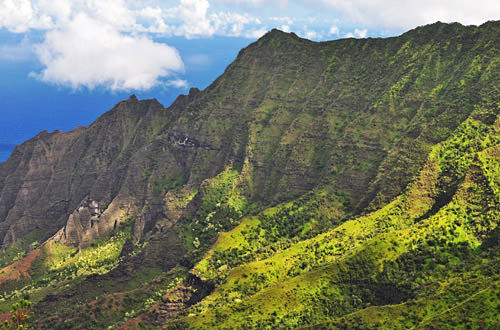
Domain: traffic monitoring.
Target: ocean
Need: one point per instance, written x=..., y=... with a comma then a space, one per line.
x=29, y=106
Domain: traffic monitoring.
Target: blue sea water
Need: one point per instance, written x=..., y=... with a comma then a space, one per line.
x=28, y=106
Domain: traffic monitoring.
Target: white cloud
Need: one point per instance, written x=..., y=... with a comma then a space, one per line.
x=357, y=33
x=334, y=30
x=113, y=12
x=235, y=25
x=153, y=20
x=177, y=83
x=60, y=10
x=90, y=43
x=252, y=2
x=90, y=53
x=256, y=33
x=285, y=28
x=20, y=16
x=256, y=3
x=201, y=18
x=188, y=18
x=310, y=34
x=287, y=20
x=404, y=14
x=193, y=17
x=360, y=33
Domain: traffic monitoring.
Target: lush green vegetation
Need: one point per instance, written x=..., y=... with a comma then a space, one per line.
x=431, y=250
x=57, y=266
x=222, y=206
x=18, y=250
x=20, y=315
x=169, y=182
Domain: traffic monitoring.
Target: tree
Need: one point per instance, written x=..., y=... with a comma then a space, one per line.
x=20, y=314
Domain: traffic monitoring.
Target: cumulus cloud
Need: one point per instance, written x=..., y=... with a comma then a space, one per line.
x=256, y=33
x=334, y=30
x=113, y=12
x=256, y=3
x=191, y=19
x=310, y=34
x=177, y=83
x=403, y=14
x=90, y=43
x=284, y=19
x=91, y=53
x=358, y=33
x=20, y=16
x=153, y=20
x=95, y=42
x=192, y=15
x=188, y=18
x=59, y=9
x=234, y=25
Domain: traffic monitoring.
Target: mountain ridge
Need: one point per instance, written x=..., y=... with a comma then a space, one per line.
x=295, y=142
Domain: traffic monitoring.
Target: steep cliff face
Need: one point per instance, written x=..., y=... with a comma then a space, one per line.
x=47, y=178
x=298, y=134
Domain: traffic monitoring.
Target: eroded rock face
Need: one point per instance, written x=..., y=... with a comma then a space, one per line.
x=58, y=179
x=57, y=182
x=81, y=221
x=173, y=302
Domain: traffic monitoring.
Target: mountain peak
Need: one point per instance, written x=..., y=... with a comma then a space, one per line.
x=276, y=34
x=438, y=29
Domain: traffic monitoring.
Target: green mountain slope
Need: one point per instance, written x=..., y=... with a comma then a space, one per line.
x=415, y=258
x=343, y=184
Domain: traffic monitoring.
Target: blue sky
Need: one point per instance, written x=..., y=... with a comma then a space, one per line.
x=65, y=62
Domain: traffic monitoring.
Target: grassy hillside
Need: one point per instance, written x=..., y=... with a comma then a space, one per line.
x=429, y=259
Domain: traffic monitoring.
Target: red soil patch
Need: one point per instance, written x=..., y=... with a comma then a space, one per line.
x=19, y=268
x=60, y=284
x=134, y=322
x=4, y=317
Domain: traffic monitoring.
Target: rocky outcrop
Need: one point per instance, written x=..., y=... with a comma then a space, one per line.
x=173, y=302
x=48, y=180
x=81, y=221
